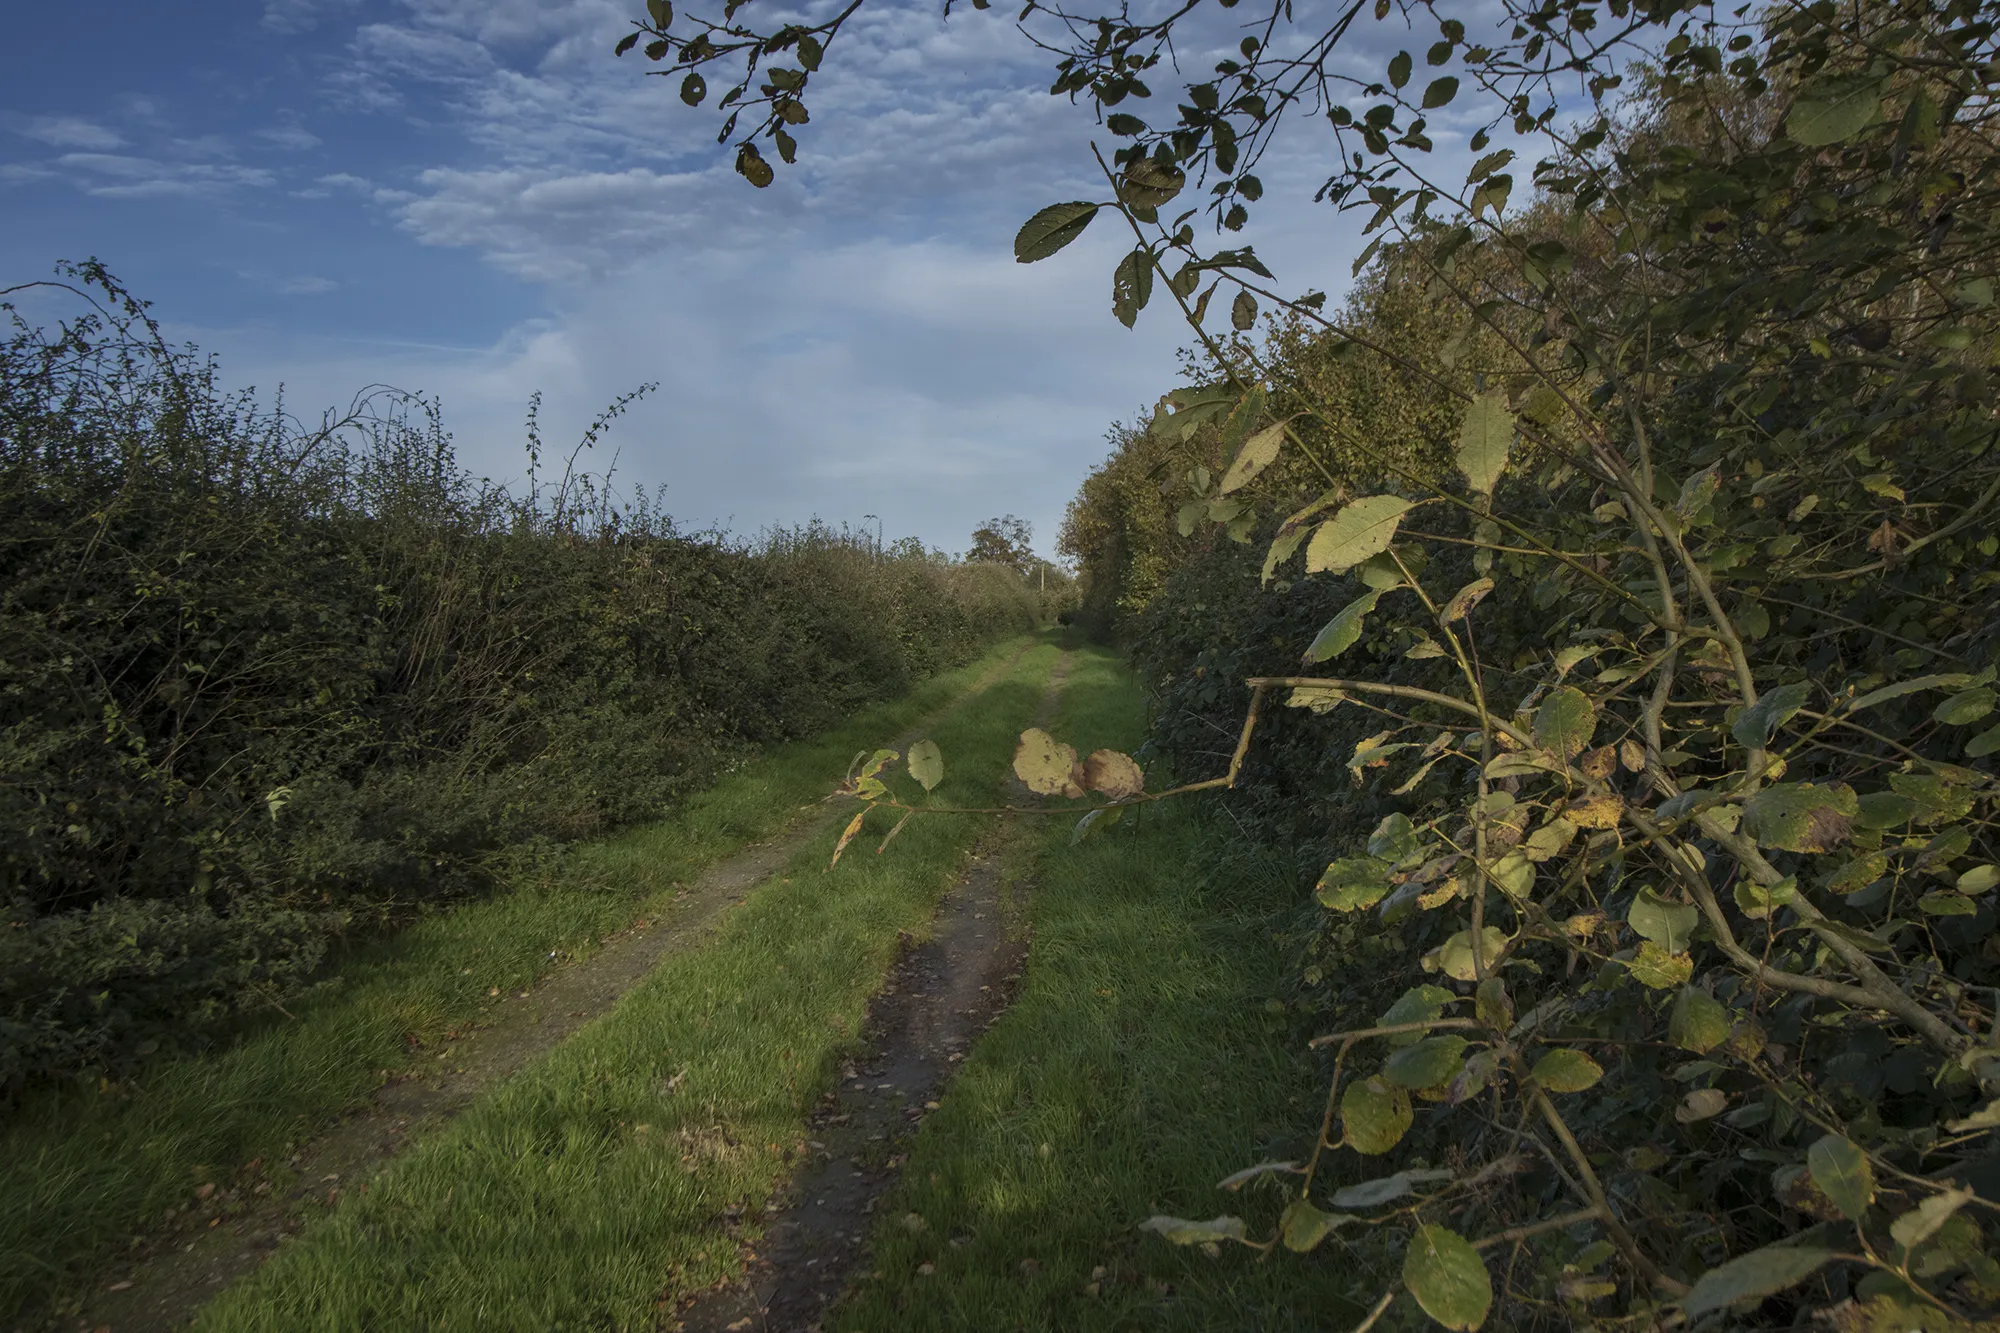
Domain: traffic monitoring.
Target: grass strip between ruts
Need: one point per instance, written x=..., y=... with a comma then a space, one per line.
x=590, y=1191
x=1139, y=1066
x=80, y=1171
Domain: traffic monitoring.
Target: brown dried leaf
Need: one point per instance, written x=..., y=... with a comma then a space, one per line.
x=1114, y=774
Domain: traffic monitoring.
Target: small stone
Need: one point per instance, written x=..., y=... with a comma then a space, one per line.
x=925, y=1270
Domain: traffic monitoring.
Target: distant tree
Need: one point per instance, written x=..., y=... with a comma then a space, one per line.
x=1004, y=541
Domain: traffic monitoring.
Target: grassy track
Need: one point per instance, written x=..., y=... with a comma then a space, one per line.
x=80, y=1171
x=1138, y=1067
x=590, y=1191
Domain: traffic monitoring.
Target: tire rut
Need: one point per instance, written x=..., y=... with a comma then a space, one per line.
x=941, y=994
x=167, y=1277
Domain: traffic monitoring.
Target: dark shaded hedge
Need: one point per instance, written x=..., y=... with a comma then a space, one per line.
x=263, y=686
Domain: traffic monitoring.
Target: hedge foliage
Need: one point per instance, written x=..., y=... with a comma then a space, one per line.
x=1627, y=676
x=264, y=686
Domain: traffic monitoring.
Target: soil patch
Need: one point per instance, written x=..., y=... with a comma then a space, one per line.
x=941, y=994
x=168, y=1276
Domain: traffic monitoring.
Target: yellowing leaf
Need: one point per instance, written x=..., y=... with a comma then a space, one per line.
x=1657, y=969
x=1359, y=530
x=1044, y=764
x=1595, y=812
x=1258, y=452
x=926, y=764
x=1483, y=440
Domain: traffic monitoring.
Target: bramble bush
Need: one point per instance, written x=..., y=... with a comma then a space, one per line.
x=266, y=687
x=1643, y=595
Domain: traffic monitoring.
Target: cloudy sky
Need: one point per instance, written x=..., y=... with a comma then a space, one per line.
x=474, y=199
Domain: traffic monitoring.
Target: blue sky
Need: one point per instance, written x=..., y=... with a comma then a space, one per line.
x=474, y=199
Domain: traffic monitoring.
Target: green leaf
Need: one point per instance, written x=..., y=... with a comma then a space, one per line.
x=1698, y=1022
x=1843, y=1175
x=1132, y=286
x=1759, y=722
x=1303, y=1226
x=1667, y=924
x=1243, y=312
x=927, y=764
x=1834, y=110
x=1374, y=1115
x=1440, y=92
x=1050, y=230
x=1943, y=902
x=693, y=89
x=1979, y=879
x=1985, y=743
x=1419, y=1004
x=1447, y=1277
x=1183, y=1232
x=1800, y=817
x=1430, y=1062
x=1966, y=708
x=1399, y=69
x=1754, y=1276
x=1565, y=722
x=1483, y=440
x=1513, y=874
x=1395, y=840
x=662, y=13
x=1352, y=883
x=1258, y=452
x=1149, y=183
x=1340, y=633
x=1947, y=681
x=1566, y=1070
x=751, y=165
x=1359, y=530
x=1758, y=901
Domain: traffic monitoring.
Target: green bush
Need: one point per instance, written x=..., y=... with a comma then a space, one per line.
x=262, y=685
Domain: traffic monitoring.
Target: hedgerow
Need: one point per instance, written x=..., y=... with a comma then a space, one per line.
x=265, y=688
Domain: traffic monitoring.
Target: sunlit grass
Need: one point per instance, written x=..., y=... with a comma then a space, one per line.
x=80, y=1171
x=590, y=1190
x=1139, y=1066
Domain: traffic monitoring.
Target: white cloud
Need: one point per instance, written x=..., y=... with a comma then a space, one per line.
x=69, y=132
x=291, y=17
x=307, y=286
x=119, y=176
x=291, y=138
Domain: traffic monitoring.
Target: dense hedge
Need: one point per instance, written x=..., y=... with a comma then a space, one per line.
x=261, y=685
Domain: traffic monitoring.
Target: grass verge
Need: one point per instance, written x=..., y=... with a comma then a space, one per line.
x=1139, y=1066
x=82, y=1170
x=604, y=1182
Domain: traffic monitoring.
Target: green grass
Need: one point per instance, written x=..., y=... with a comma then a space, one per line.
x=81, y=1171
x=1139, y=1066
x=588, y=1191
